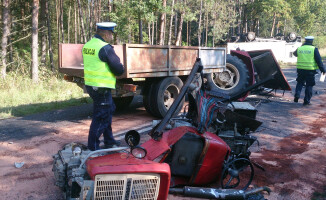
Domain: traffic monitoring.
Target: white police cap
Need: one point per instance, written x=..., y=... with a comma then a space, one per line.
x=106, y=25
x=309, y=38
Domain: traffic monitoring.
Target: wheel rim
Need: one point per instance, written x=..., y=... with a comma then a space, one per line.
x=170, y=94
x=227, y=79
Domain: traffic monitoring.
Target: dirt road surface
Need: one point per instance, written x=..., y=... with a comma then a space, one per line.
x=292, y=145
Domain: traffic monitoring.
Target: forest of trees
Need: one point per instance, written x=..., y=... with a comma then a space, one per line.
x=31, y=29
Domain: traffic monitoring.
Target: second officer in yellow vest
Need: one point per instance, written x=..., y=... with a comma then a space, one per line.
x=308, y=62
x=101, y=66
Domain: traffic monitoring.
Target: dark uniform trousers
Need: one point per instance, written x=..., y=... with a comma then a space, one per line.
x=307, y=78
x=103, y=108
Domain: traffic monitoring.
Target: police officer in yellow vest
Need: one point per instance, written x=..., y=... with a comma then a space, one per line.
x=308, y=62
x=101, y=66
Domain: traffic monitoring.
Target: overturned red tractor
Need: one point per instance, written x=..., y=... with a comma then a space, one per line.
x=203, y=152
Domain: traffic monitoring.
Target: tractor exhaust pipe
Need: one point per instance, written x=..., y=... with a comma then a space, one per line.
x=212, y=193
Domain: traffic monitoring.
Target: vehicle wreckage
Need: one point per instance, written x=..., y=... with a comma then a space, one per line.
x=203, y=152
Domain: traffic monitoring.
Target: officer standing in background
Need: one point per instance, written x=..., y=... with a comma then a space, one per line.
x=308, y=62
x=101, y=66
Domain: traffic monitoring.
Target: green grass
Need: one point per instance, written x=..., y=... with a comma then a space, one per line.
x=19, y=96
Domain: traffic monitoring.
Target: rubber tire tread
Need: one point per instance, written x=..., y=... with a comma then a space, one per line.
x=157, y=92
x=243, y=72
x=147, y=98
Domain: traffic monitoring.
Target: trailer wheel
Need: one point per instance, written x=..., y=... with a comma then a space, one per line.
x=122, y=103
x=147, y=98
x=233, y=80
x=163, y=95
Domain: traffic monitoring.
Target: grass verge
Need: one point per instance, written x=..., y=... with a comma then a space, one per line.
x=19, y=96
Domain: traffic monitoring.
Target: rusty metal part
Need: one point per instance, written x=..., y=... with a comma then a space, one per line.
x=241, y=120
x=212, y=193
x=227, y=79
x=145, y=61
x=157, y=131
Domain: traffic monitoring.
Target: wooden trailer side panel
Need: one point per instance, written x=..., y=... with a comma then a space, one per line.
x=145, y=61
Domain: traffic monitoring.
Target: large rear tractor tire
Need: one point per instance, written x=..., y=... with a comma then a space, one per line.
x=231, y=81
x=163, y=94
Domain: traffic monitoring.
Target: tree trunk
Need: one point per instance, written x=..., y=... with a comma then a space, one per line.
x=35, y=40
x=43, y=18
x=156, y=33
x=69, y=17
x=171, y=24
x=99, y=10
x=11, y=59
x=213, y=41
x=48, y=17
x=75, y=22
x=149, y=33
x=82, y=21
x=273, y=26
x=153, y=32
x=199, y=23
x=110, y=10
x=258, y=31
x=140, y=26
x=4, y=41
x=187, y=33
x=176, y=25
x=80, y=37
x=162, y=24
x=206, y=37
x=57, y=4
x=91, y=16
x=61, y=21
x=179, y=39
x=284, y=28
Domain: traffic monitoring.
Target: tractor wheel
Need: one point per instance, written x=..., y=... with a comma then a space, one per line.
x=163, y=95
x=231, y=81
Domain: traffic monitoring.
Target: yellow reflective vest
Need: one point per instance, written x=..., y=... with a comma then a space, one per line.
x=306, y=59
x=96, y=72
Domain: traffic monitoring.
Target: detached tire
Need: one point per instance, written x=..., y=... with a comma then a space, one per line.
x=163, y=94
x=122, y=103
x=233, y=80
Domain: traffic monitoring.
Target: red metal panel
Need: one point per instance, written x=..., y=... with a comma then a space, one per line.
x=212, y=162
x=123, y=163
x=156, y=148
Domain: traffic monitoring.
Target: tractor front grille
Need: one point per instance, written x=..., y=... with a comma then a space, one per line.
x=126, y=186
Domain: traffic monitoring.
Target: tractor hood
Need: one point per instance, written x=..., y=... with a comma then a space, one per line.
x=124, y=163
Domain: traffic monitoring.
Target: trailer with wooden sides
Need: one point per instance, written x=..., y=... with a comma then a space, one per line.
x=156, y=72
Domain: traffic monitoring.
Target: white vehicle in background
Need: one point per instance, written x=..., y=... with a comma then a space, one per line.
x=281, y=47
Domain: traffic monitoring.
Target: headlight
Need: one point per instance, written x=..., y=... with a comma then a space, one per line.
x=138, y=152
